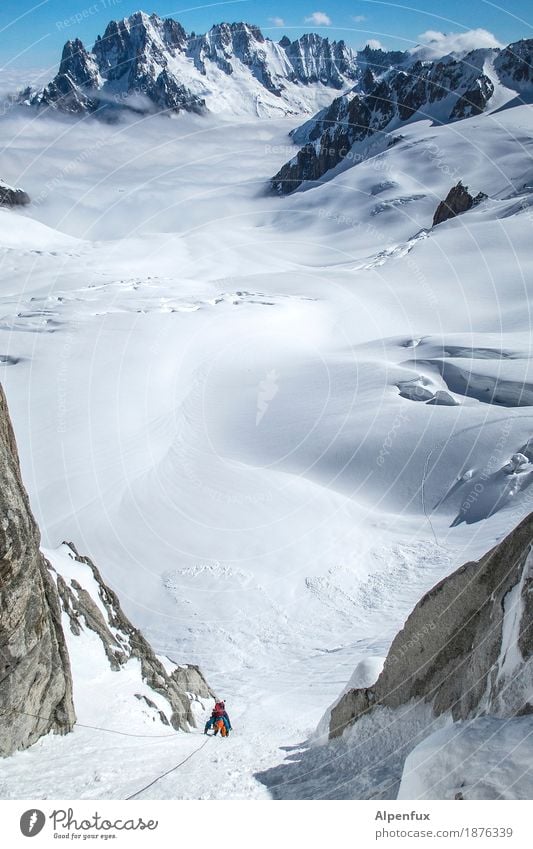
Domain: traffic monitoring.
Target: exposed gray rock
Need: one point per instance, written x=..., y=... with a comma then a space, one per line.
x=191, y=679
x=122, y=641
x=12, y=197
x=465, y=650
x=35, y=677
x=457, y=201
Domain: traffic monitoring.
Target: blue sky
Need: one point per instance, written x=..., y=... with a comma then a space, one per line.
x=32, y=32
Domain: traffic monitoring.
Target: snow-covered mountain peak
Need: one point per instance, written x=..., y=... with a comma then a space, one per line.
x=149, y=63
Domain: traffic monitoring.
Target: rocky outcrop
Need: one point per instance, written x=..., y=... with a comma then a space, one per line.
x=457, y=201
x=99, y=611
x=35, y=676
x=47, y=609
x=12, y=197
x=465, y=651
x=191, y=680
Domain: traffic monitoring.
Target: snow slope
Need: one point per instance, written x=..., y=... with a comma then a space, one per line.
x=207, y=385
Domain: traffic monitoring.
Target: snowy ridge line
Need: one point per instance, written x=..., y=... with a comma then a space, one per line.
x=173, y=769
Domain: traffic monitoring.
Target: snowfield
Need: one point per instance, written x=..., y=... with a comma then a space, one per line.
x=273, y=423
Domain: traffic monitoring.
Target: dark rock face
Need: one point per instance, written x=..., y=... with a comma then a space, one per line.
x=515, y=63
x=35, y=677
x=465, y=650
x=122, y=641
x=382, y=101
x=457, y=201
x=12, y=197
x=347, y=121
x=74, y=83
x=78, y=64
x=474, y=100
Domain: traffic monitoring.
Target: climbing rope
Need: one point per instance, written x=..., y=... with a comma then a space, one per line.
x=91, y=727
x=173, y=769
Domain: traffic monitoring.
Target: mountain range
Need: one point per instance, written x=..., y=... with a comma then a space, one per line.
x=360, y=122
x=147, y=63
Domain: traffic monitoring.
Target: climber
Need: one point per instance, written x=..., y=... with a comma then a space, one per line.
x=218, y=712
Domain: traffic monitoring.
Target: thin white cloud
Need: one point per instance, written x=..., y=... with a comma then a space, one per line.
x=319, y=19
x=374, y=44
x=277, y=22
x=358, y=19
x=434, y=44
